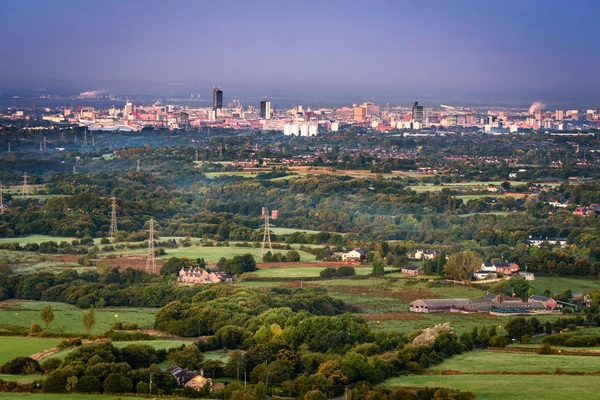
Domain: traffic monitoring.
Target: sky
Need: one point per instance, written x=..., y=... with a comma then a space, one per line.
x=495, y=49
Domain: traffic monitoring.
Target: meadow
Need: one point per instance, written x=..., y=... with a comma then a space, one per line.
x=509, y=387
x=559, y=284
x=11, y=347
x=298, y=272
x=36, y=239
x=67, y=318
x=477, y=361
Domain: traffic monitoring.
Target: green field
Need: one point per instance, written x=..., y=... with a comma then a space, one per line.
x=45, y=396
x=21, y=379
x=476, y=361
x=11, y=347
x=67, y=318
x=510, y=387
x=299, y=272
x=288, y=231
x=556, y=284
x=36, y=239
x=215, y=253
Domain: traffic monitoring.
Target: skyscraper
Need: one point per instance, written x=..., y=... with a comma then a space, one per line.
x=417, y=112
x=265, y=109
x=217, y=98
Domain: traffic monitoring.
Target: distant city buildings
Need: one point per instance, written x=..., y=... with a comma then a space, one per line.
x=417, y=112
x=217, y=98
x=265, y=109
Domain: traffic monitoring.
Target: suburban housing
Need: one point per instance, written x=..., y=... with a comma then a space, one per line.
x=193, y=276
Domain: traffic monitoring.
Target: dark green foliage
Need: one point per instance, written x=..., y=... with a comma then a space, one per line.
x=21, y=365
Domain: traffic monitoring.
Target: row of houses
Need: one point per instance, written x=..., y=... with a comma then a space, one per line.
x=491, y=303
x=194, y=276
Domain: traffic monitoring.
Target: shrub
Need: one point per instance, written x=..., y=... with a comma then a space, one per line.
x=35, y=328
x=21, y=365
x=545, y=349
x=51, y=364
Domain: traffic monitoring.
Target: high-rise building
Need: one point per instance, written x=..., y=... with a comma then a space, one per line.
x=360, y=114
x=560, y=115
x=417, y=112
x=265, y=109
x=217, y=98
x=127, y=110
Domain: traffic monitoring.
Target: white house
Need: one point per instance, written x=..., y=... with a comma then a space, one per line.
x=486, y=271
x=354, y=255
x=538, y=241
x=425, y=254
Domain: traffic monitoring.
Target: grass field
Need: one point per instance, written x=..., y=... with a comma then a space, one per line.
x=215, y=253
x=11, y=347
x=287, y=231
x=510, y=387
x=36, y=239
x=75, y=396
x=300, y=272
x=21, y=379
x=556, y=284
x=67, y=318
x=476, y=361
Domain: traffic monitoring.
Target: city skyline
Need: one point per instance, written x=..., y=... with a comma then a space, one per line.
x=471, y=51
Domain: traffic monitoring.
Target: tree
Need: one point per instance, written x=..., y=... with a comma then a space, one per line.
x=462, y=265
x=314, y=395
x=117, y=383
x=519, y=327
x=292, y=256
x=190, y=357
x=89, y=320
x=378, y=265
x=47, y=315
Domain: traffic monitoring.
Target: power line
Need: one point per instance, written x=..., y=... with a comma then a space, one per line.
x=112, y=233
x=151, y=258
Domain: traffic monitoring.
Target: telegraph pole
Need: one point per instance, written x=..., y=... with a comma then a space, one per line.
x=25, y=188
x=151, y=259
x=112, y=233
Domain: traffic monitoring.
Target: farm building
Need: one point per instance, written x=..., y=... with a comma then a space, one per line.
x=548, y=302
x=538, y=241
x=425, y=254
x=187, y=378
x=412, y=270
x=436, y=305
x=491, y=270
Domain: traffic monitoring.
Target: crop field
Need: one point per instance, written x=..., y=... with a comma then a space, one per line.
x=509, y=387
x=11, y=347
x=67, y=318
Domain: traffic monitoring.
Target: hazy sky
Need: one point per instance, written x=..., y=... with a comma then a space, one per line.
x=495, y=47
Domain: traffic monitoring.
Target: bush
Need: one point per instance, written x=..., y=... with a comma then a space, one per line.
x=65, y=344
x=545, y=349
x=21, y=365
x=498, y=341
x=51, y=364
x=35, y=328
x=346, y=271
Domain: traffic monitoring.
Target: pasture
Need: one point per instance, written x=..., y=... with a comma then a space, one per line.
x=509, y=387
x=297, y=272
x=67, y=318
x=37, y=239
x=476, y=361
x=559, y=284
x=11, y=347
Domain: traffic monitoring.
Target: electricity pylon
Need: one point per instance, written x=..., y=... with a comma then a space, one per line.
x=151, y=259
x=112, y=233
x=266, y=234
x=25, y=187
x=2, y=206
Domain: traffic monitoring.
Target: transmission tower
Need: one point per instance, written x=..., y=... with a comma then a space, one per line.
x=85, y=138
x=151, y=259
x=62, y=136
x=45, y=143
x=196, y=155
x=138, y=166
x=74, y=170
x=2, y=206
x=93, y=141
x=25, y=188
x=113, y=219
x=267, y=233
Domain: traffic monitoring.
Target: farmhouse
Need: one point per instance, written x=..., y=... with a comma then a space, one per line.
x=187, y=378
x=412, y=270
x=193, y=276
x=355, y=255
x=491, y=270
x=425, y=254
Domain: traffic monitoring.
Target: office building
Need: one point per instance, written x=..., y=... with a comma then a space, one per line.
x=560, y=115
x=360, y=114
x=417, y=112
x=265, y=109
x=217, y=98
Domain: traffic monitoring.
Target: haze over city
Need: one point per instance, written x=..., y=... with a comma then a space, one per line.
x=489, y=52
